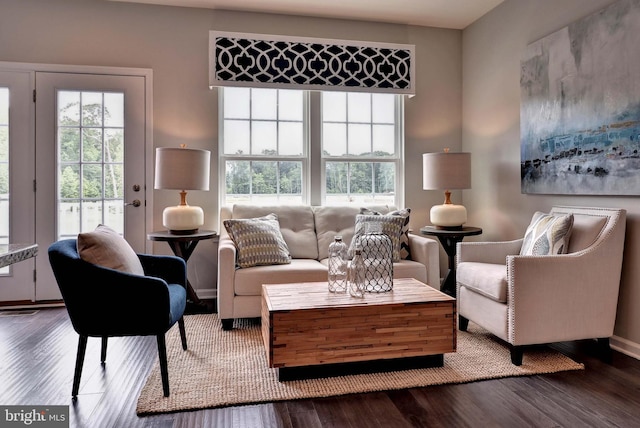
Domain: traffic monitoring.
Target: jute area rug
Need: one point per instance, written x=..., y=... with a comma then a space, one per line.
x=224, y=368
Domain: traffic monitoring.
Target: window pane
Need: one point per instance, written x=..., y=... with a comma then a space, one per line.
x=91, y=181
x=337, y=176
x=290, y=139
x=334, y=139
x=237, y=137
x=4, y=106
x=114, y=145
x=4, y=143
x=69, y=143
x=4, y=180
x=360, y=177
x=264, y=140
x=68, y=218
x=264, y=178
x=359, y=107
x=92, y=109
x=114, y=181
x=236, y=103
x=334, y=106
x=385, y=177
x=69, y=108
x=238, y=179
x=91, y=145
x=69, y=182
x=290, y=178
x=264, y=103
x=91, y=215
x=114, y=215
x=359, y=139
x=383, y=140
x=383, y=106
x=290, y=105
x=114, y=110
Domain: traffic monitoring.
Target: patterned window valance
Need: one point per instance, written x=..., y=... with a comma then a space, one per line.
x=239, y=59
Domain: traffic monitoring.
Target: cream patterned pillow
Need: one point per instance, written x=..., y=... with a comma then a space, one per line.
x=105, y=247
x=547, y=235
x=391, y=226
x=258, y=241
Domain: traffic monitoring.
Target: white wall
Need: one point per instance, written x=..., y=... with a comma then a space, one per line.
x=173, y=42
x=492, y=48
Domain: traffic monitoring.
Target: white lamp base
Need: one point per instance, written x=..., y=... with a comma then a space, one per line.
x=182, y=219
x=448, y=216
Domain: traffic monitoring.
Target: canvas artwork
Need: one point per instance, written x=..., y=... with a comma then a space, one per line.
x=580, y=107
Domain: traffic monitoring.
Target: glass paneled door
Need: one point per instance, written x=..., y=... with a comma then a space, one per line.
x=90, y=162
x=17, y=198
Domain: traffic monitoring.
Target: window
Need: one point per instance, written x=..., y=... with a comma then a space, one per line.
x=266, y=151
x=4, y=170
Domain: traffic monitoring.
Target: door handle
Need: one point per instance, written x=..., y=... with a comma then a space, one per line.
x=136, y=203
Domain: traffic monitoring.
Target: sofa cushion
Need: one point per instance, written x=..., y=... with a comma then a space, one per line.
x=258, y=240
x=105, y=247
x=296, y=225
x=547, y=234
x=248, y=282
x=337, y=220
x=487, y=279
x=391, y=226
x=405, y=252
x=411, y=269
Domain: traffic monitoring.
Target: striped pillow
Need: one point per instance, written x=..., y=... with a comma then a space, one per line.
x=391, y=226
x=258, y=241
x=405, y=253
x=547, y=235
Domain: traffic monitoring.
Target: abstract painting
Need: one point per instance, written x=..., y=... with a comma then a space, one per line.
x=580, y=107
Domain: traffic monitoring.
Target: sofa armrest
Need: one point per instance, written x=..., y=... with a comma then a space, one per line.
x=226, y=276
x=426, y=251
x=487, y=252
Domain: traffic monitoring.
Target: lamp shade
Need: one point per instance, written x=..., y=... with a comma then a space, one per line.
x=446, y=171
x=182, y=168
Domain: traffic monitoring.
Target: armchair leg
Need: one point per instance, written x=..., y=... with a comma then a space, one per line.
x=516, y=355
x=82, y=347
x=463, y=323
x=183, y=334
x=227, y=324
x=604, y=350
x=164, y=369
x=103, y=350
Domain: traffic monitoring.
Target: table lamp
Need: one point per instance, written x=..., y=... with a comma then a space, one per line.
x=447, y=171
x=182, y=169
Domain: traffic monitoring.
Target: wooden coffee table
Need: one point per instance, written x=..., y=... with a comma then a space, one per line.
x=309, y=332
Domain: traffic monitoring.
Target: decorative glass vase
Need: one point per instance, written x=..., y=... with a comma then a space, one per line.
x=337, y=265
x=356, y=274
x=377, y=253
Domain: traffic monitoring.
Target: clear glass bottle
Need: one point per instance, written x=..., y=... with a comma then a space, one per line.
x=356, y=274
x=337, y=264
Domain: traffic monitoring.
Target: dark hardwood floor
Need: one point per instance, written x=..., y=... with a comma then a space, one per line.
x=37, y=356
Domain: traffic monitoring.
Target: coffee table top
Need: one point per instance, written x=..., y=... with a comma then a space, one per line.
x=315, y=295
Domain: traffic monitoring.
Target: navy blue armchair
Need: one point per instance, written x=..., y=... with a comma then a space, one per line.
x=104, y=302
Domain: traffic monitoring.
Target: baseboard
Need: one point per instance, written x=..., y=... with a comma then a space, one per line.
x=625, y=346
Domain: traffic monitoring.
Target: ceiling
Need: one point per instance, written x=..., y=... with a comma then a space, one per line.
x=456, y=14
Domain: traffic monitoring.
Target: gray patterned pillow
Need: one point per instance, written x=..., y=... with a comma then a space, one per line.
x=391, y=226
x=405, y=253
x=258, y=241
x=547, y=235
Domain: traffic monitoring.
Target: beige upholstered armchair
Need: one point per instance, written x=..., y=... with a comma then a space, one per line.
x=533, y=299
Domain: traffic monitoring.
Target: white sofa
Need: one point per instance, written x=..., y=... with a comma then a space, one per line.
x=308, y=231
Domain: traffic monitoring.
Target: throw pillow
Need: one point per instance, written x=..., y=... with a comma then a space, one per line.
x=105, y=247
x=405, y=253
x=258, y=241
x=547, y=235
x=391, y=226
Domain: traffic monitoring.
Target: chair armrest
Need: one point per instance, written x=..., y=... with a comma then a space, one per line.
x=426, y=250
x=575, y=294
x=487, y=252
x=172, y=269
x=226, y=277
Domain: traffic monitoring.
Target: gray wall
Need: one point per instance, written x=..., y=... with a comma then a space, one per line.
x=492, y=47
x=173, y=42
